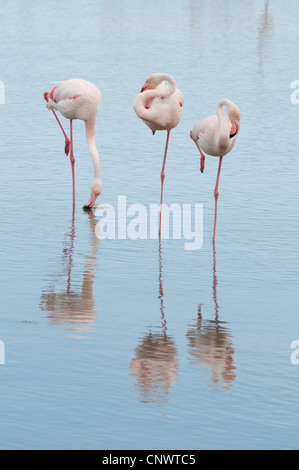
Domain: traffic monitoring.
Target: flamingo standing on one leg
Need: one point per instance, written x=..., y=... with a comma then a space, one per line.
x=216, y=136
x=160, y=107
x=78, y=99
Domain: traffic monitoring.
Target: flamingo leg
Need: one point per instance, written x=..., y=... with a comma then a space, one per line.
x=202, y=158
x=67, y=140
x=216, y=194
x=72, y=159
x=162, y=179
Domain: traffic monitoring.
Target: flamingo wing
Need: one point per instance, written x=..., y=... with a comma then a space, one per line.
x=65, y=99
x=74, y=99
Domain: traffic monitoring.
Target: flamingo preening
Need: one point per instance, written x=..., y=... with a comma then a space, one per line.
x=160, y=107
x=216, y=135
x=78, y=99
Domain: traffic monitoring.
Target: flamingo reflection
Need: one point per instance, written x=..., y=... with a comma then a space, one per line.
x=210, y=344
x=264, y=33
x=266, y=24
x=155, y=365
x=67, y=303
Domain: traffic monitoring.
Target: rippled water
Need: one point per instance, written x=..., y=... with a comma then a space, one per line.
x=125, y=344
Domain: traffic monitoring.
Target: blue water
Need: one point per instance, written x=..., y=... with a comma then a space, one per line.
x=121, y=344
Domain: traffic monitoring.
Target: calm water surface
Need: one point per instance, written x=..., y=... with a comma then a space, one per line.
x=118, y=344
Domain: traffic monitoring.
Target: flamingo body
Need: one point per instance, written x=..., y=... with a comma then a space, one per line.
x=75, y=99
x=206, y=134
x=160, y=107
x=78, y=99
x=216, y=136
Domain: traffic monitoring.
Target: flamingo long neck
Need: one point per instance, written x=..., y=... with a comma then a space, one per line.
x=224, y=123
x=161, y=91
x=157, y=92
x=91, y=142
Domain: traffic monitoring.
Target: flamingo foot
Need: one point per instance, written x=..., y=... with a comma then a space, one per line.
x=46, y=94
x=90, y=203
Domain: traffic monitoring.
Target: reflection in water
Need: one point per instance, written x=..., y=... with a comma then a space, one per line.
x=264, y=33
x=155, y=365
x=66, y=305
x=161, y=293
x=210, y=344
x=195, y=14
x=266, y=23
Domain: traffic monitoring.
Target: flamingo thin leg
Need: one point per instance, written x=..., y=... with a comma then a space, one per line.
x=216, y=194
x=162, y=179
x=67, y=140
x=72, y=159
x=202, y=158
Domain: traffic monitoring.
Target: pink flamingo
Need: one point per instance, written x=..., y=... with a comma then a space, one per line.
x=160, y=107
x=216, y=135
x=78, y=99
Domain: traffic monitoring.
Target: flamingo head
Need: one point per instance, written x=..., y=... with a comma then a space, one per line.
x=95, y=191
x=152, y=82
x=144, y=87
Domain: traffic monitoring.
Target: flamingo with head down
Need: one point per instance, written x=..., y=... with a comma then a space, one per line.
x=216, y=135
x=160, y=107
x=78, y=99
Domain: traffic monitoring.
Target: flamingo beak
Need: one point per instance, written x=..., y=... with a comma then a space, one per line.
x=90, y=203
x=144, y=87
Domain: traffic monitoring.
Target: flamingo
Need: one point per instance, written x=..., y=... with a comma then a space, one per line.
x=216, y=135
x=160, y=107
x=78, y=99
